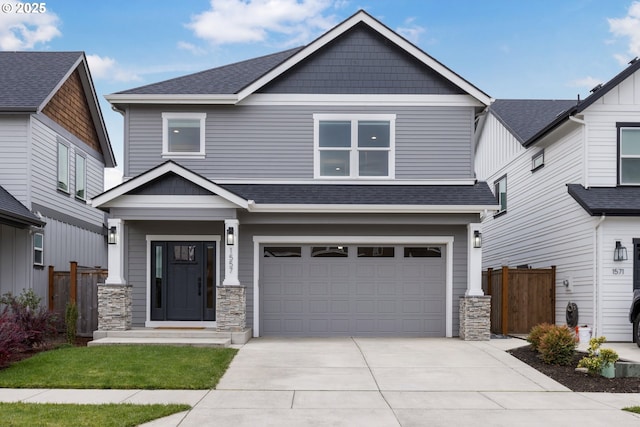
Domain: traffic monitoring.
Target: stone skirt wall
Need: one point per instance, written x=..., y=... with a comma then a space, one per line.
x=114, y=307
x=475, y=318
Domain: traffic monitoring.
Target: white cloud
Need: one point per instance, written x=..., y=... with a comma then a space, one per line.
x=629, y=27
x=21, y=31
x=411, y=31
x=245, y=21
x=191, y=48
x=105, y=68
x=586, y=82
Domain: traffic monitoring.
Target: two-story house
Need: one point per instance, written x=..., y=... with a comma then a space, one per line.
x=321, y=191
x=567, y=175
x=53, y=150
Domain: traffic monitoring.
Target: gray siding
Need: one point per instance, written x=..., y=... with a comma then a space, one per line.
x=14, y=164
x=277, y=141
x=15, y=260
x=361, y=61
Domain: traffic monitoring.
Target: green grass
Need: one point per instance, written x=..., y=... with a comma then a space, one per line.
x=634, y=409
x=112, y=415
x=121, y=367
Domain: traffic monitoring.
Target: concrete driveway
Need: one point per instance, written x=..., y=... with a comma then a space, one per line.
x=394, y=382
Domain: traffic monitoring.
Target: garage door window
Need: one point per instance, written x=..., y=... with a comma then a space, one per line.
x=422, y=252
x=329, y=252
x=283, y=251
x=376, y=252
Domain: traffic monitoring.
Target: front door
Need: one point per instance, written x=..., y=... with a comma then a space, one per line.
x=183, y=281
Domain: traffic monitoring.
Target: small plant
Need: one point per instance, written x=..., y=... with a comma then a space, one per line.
x=597, y=358
x=71, y=319
x=557, y=346
x=536, y=333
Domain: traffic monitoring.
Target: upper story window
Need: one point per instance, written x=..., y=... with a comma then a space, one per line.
x=63, y=167
x=500, y=187
x=81, y=177
x=629, y=152
x=183, y=134
x=537, y=161
x=354, y=146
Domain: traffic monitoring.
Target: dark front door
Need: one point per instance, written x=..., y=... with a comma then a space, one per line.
x=183, y=281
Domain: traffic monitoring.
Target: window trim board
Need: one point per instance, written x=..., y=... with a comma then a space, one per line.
x=200, y=154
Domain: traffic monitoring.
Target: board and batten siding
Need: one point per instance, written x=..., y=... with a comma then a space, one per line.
x=496, y=148
x=277, y=141
x=543, y=225
x=15, y=260
x=14, y=162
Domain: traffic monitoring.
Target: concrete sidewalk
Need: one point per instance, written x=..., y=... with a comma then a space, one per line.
x=372, y=382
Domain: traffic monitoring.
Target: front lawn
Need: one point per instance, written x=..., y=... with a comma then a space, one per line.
x=121, y=367
x=46, y=415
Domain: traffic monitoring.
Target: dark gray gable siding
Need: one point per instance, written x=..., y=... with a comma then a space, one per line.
x=612, y=201
x=361, y=61
x=171, y=184
x=27, y=78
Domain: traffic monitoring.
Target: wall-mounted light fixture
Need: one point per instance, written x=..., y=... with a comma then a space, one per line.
x=620, y=252
x=112, y=237
x=477, y=239
x=231, y=238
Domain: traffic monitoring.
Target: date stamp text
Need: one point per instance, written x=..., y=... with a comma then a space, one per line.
x=23, y=8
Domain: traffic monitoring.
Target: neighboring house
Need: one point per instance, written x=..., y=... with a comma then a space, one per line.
x=567, y=175
x=53, y=149
x=321, y=191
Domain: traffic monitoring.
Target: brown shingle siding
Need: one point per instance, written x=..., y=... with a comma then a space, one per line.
x=70, y=109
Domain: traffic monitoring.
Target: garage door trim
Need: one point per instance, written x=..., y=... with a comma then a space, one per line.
x=447, y=241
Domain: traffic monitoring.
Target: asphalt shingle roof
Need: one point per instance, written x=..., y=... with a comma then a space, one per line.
x=613, y=201
x=526, y=117
x=14, y=212
x=27, y=78
x=323, y=194
x=228, y=79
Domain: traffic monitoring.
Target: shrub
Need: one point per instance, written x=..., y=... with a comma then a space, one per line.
x=597, y=357
x=36, y=323
x=12, y=337
x=536, y=333
x=557, y=346
x=71, y=319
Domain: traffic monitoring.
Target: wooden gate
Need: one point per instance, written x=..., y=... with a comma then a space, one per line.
x=520, y=298
x=79, y=284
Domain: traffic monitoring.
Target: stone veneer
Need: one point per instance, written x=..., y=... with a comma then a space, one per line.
x=475, y=318
x=114, y=307
x=231, y=308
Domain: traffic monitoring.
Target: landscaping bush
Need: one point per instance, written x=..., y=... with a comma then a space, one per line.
x=597, y=357
x=12, y=337
x=536, y=333
x=71, y=320
x=557, y=346
x=37, y=323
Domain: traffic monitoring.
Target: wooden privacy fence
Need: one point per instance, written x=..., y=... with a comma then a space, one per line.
x=520, y=298
x=79, y=284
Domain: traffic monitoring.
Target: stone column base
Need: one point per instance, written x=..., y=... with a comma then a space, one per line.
x=475, y=318
x=114, y=307
x=231, y=308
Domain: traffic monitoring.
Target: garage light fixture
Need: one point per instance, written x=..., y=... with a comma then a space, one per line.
x=620, y=252
x=477, y=239
x=231, y=238
x=112, y=237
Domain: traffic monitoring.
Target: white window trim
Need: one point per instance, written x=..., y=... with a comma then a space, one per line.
x=165, y=135
x=40, y=249
x=353, y=157
x=68, y=147
x=621, y=156
x=498, y=197
x=75, y=175
x=538, y=155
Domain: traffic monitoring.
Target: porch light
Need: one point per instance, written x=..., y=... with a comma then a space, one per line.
x=112, y=237
x=620, y=252
x=477, y=239
x=231, y=238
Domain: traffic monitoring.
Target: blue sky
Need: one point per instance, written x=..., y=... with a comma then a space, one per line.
x=549, y=49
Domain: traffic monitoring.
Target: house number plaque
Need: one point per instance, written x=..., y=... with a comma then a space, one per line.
x=617, y=271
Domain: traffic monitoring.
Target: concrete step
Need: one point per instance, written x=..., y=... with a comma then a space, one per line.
x=165, y=333
x=178, y=341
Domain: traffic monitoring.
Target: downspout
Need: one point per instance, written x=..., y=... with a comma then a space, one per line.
x=585, y=154
x=597, y=276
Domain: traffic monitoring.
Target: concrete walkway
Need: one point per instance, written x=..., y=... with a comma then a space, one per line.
x=372, y=382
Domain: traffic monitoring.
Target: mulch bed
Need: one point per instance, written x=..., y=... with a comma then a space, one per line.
x=576, y=381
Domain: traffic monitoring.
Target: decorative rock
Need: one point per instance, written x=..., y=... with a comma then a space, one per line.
x=114, y=307
x=231, y=309
x=475, y=318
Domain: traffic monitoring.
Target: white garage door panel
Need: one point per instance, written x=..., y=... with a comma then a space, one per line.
x=352, y=296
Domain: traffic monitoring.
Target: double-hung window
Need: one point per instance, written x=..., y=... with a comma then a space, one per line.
x=183, y=135
x=63, y=167
x=38, y=249
x=354, y=146
x=629, y=154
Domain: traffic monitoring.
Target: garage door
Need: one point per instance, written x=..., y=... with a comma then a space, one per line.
x=352, y=290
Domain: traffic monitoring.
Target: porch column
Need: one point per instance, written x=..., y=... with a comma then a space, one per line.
x=474, y=261
x=475, y=307
x=231, y=241
x=114, y=295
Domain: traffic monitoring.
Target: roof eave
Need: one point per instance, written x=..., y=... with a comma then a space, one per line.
x=558, y=121
x=194, y=99
x=369, y=208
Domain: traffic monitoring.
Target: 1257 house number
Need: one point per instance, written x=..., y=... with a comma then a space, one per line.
x=617, y=271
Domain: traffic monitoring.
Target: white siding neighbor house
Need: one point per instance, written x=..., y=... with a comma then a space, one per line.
x=54, y=148
x=326, y=190
x=567, y=175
